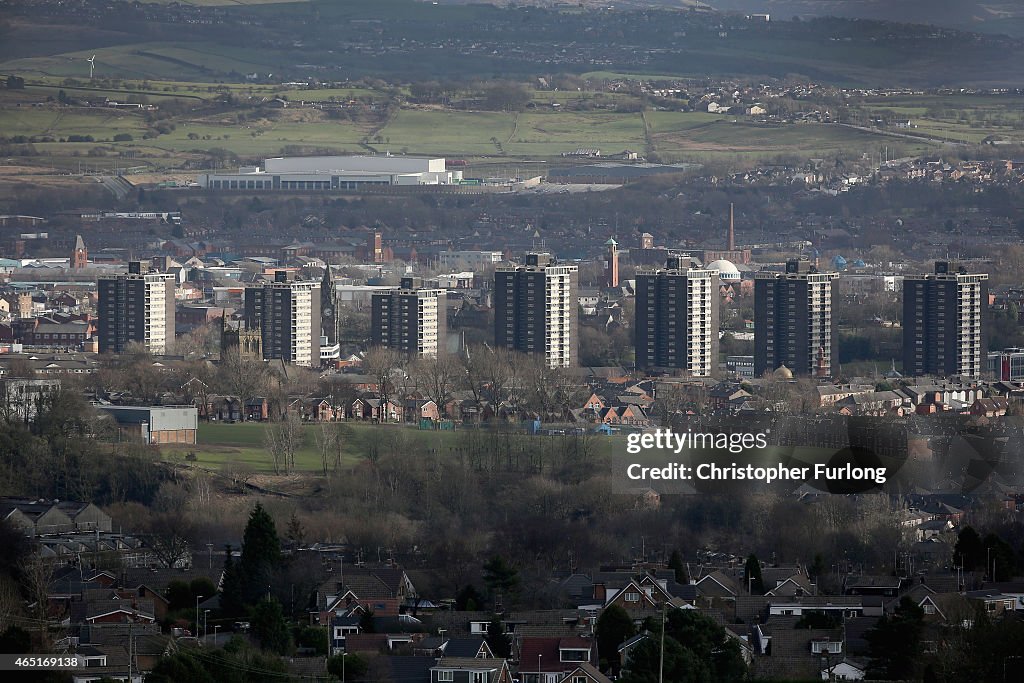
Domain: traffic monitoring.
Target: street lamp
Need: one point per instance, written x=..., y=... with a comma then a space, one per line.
x=206, y=622
x=216, y=627
x=197, y=617
x=343, y=655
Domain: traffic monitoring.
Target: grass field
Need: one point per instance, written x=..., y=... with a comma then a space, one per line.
x=448, y=132
x=227, y=446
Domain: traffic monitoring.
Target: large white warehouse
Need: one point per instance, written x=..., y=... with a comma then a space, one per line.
x=333, y=173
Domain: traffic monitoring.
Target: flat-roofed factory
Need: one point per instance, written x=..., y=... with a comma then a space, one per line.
x=326, y=173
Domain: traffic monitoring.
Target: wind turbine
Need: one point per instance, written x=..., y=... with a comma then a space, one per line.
x=92, y=65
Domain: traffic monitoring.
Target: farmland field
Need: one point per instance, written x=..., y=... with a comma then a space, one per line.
x=448, y=132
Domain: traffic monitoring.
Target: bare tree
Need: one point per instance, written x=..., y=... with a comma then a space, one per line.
x=472, y=375
x=167, y=537
x=10, y=602
x=330, y=441
x=436, y=378
x=384, y=365
x=501, y=370
x=36, y=575
x=283, y=439
x=241, y=378
x=550, y=392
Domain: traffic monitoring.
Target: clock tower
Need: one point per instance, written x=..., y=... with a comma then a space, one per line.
x=329, y=307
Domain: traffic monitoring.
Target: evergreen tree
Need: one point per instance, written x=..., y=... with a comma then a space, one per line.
x=752, y=575
x=613, y=627
x=894, y=643
x=496, y=638
x=270, y=628
x=468, y=599
x=261, y=555
x=231, y=600
x=351, y=667
x=676, y=564
x=969, y=551
x=366, y=624
x=817, y=568
x=499, y=575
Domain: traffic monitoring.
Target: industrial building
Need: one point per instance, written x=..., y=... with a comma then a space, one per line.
x=330, y=173
x=155, y=424
x=473, y=260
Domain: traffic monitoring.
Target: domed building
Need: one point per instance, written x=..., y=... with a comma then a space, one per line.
x=727, y=270
x=783, y=373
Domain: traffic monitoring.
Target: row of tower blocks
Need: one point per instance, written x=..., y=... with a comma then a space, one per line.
x=536, y=312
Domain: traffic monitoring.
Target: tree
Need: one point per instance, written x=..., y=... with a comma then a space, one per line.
x=331, y=438
x=241, y=378
x=366, y=624
x=283, y=439
x=295, y=532
x=232, y=589
x=350, y=667
x=270, y=628
x=261, y=554
x=711, y=648
x=969, y=551
x=752, y=575
x=436, y=378
x=500, y=576
x=613, y=627
x=179, y=595
x=468, y=599
x=893, y=643
x=1003, y=565
x=496, y=638
x=680, y=666
x=316, y=638
x=167, y=532
x=676, y=564
x=202, y=587
x=383, y=364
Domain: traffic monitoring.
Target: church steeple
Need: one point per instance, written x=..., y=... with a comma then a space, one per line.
x=80, y=256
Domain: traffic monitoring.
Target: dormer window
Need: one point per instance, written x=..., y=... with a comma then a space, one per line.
x=574, y=654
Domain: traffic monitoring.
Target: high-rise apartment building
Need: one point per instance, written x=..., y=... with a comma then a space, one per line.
x=536, y=309
x=136, y=307
x=677, y=318
x=412, y=318
x=287, y=314
x=944, y=322
x=793, y=320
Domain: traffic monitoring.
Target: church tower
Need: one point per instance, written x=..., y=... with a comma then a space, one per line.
x=80, y=256
x=611, y=264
